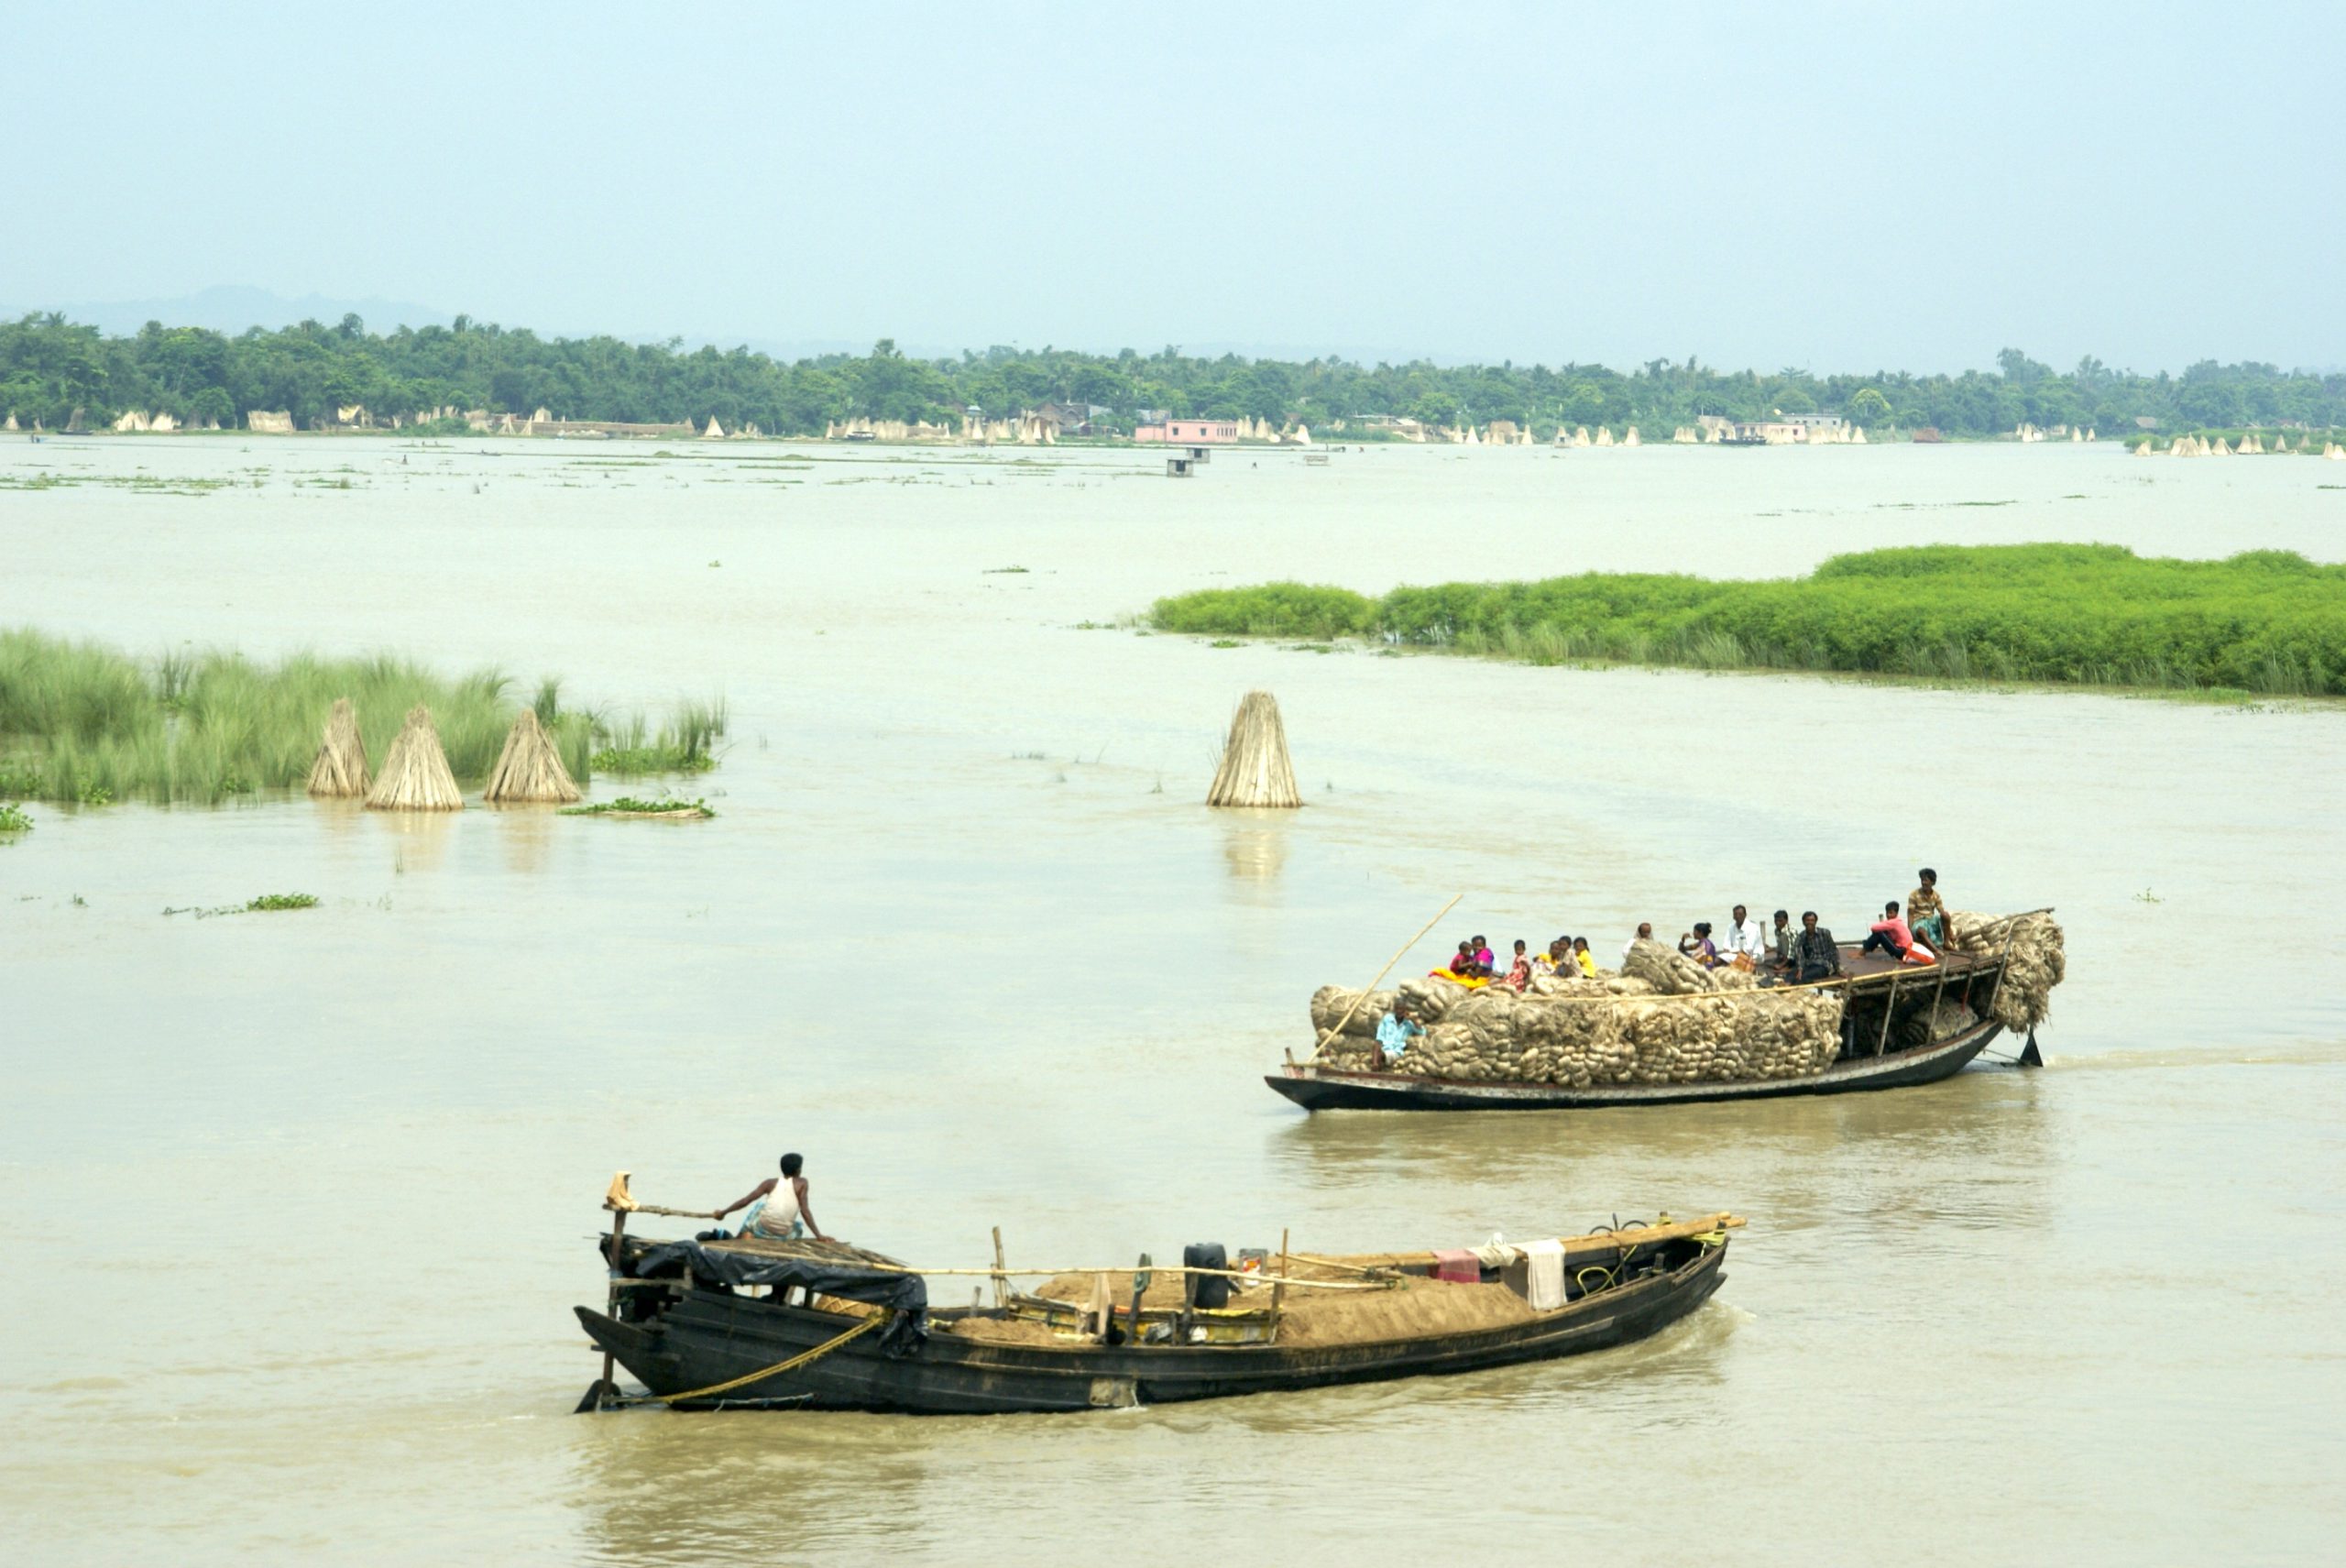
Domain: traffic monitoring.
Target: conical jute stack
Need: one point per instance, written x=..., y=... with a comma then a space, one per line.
x=1255, y=767
x=529, y=768
x=415, y=775
x=340, y=772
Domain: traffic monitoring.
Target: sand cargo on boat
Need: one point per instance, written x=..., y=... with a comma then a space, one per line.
x=771, y=1324
x=1666, y=1030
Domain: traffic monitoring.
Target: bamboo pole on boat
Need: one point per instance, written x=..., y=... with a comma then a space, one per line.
x=1643, y=1235
x=611, y=1301
x=1279, y=1291
x=1000, y=1280
x=1323, y=1044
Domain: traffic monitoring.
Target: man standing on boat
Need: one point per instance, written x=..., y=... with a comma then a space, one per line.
x=781, y=1214
x=1816, y=956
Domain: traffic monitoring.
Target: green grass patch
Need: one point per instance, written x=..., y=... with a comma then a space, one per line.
x=2265, y=621
x=85, y=723
x=14, y=820
x=686, y=743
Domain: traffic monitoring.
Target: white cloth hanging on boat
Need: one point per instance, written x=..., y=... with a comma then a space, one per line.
x=1545, y=1286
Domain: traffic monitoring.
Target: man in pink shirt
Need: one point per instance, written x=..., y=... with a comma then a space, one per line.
x=1890, y=933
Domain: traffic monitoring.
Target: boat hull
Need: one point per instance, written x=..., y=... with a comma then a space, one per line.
x=707, y=1338
x=1331, y=1089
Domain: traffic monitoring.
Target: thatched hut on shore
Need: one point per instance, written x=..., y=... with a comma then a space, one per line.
x=340, y=772
x=416, y=775
x=1256, y=770
x=529, y=768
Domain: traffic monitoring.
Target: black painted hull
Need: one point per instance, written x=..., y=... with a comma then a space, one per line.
x=707, y=1338
x=1329, y=1089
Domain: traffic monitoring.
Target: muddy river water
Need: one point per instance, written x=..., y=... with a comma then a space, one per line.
x=298, y=1204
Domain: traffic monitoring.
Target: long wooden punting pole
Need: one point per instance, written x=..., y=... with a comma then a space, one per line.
x=1000, y=1280
x=1323, y=1044
x=1278, y=1290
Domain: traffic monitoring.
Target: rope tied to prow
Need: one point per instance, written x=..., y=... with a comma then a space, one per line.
x=801, y=1359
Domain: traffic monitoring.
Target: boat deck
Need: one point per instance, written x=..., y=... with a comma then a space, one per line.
x=1875, y=965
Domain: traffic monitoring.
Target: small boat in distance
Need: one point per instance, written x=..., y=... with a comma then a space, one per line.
x=753, y=1323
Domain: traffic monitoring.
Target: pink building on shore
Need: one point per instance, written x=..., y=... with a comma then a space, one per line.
x=1184, y=432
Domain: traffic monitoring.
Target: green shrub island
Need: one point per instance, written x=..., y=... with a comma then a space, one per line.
x=2267, y=620
x=85, y=723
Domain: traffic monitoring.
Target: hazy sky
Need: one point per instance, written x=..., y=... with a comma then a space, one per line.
x=1834, y=186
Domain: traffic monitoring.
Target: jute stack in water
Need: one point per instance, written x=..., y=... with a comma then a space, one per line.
x=1255, y=767
x=340, y=771
x=415, y=775
x=531, y=767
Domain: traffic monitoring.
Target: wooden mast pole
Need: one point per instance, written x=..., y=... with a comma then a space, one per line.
x=1322, y=1042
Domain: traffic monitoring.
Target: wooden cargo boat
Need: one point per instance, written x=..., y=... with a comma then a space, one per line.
x=1879, y=992
x=686, y=1319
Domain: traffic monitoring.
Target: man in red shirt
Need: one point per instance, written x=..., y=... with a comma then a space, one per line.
x=1890, y=933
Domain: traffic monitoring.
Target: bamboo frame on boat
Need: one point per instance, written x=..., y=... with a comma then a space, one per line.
x=1640, y=1236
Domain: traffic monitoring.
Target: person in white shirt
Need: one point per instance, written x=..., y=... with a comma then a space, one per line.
x=1645, y=934
x=1743, y=938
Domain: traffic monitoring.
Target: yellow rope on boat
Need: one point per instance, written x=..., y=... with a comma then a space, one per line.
x=799, y=1360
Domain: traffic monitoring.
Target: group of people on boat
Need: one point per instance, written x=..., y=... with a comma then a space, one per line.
x=1474, y=964
x=1780, y=954
x=1804, y=953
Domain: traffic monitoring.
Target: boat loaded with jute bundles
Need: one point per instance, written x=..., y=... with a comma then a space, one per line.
x=1665, y=1029
x=748, y=1322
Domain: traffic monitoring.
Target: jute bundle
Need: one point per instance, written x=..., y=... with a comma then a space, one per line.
x=529, y=768
x=1255, y=767
x=340, y=771
x=415, y=775
x=1585, y=1032
x=2035, y=961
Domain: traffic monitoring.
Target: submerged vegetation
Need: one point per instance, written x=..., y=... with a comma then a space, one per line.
x=82, y=722
x=2267, y=620
x=261, y=905
x=628, y=805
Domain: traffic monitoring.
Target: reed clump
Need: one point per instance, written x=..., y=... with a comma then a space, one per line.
x=686, y=743
x=2268, y=621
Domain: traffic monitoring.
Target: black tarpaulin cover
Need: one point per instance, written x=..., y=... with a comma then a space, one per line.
x=907, y=1293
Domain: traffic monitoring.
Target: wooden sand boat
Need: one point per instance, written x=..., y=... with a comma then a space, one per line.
x=838, y=1329
x=1881, y=993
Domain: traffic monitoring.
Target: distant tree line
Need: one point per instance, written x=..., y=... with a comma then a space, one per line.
x=50, y=367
